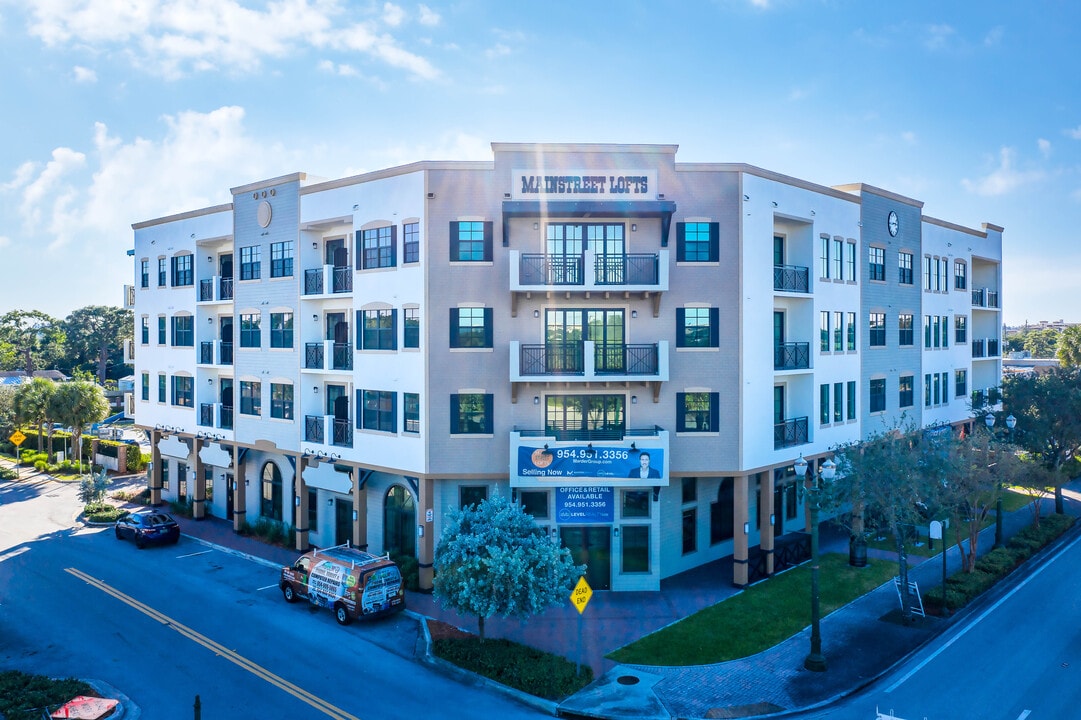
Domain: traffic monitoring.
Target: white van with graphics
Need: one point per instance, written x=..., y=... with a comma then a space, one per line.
x=351, y=582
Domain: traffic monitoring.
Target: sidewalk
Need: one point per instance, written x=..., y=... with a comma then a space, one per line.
x=861, y=641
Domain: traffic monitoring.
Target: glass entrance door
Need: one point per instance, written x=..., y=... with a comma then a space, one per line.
x=591, y=545
x=343, y=521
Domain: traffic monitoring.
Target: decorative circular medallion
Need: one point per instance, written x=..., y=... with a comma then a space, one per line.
x=264, y=214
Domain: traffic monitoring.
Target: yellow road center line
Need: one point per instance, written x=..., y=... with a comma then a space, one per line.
x=233, y=657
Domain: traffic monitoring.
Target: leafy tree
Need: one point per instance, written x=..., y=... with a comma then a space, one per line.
x=76, y=404
x=95, y=339
x=33, y=406
x=29, y=340
x=493, y=559
x=897, y=476
x=7, y=411
x=1069, y=346
x=1048, y=411
x=1042, y=343
x=1015, y=342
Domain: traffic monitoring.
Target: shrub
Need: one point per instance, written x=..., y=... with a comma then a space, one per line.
x=8, y=474
x=136, y=459
x=181, y=507
x=999, y=561
x=21, y=693
x=141, y=497
x=40, y=465
x=518, y=666
x=410, y=570
x=102, y=512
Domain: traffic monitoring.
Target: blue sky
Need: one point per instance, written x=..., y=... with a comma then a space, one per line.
x=117, y=111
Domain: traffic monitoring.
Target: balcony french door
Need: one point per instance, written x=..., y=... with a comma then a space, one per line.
x=565, y=330
x=585, y=417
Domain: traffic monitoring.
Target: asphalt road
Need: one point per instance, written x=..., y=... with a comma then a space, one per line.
x=166, y=623
x=1017, y=657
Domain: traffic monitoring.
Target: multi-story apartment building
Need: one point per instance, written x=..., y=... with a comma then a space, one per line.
x=634, y=349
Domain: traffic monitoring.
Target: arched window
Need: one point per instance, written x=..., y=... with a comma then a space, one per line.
x=399, y=522
x=272, y=492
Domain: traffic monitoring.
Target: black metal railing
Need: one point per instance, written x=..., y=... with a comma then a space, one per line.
x=552, y=359
x=792, y=356
x=206, y=352
x=626, y=359
x=226, y=287
x=790, y=432
x=226, y=417
x=313, y=356
x=586, y=434
x=343, y=433
x=790, y=278
x=225, y=350
x=536, y=269
x=206, y=290
x=313, y=282
x=206, y=414
x=342, y=280
x=342, y=357
x=992, y=298
x=979, y=348
x=791, y=550
x=631, y=269
x=313, y=429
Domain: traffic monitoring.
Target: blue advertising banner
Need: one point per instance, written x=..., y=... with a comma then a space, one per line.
x=585, y=504
x=584, y=462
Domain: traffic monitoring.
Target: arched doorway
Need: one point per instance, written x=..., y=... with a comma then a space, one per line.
x=271, y=506
x=399, y=522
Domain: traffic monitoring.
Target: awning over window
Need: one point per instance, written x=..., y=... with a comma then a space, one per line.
x=663, y=209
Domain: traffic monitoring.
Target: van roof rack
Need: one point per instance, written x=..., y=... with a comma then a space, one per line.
x=346, y=552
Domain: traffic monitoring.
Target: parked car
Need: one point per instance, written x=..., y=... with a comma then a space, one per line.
x=148, y=528
x=354, y=583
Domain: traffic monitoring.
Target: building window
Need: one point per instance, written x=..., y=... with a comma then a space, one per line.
x=697, y=327
x=635, y=548
x=851, y=400
x=281, y=259
x=313, y=510
x=838, y=402
x=161, y=330
x=904, y=268
x=851, y=331
x=411, y=412
x=837, y=259
x=690, y=531
x=249, y=263
x=824, y=404
x=721, y=520
x=471, y=241
x=960, y=383
x=472, y=495
x=144, y=330
x=904, y=391
x=927, y=389
x=824, y=257
x=183, y=390
x=145, y=385
x=183, y=331
x=379, y=329
x=411, y=243
x=876, y=263
x=697, y=411
x=850, y=261
x=876, y=334
x=876, y=395
x=944, y=330
x=411, y=317
x=471, y=414
x=960, y=328
x=697, y=242
x=471, y=327
x=634, y=504
x=534, y=502
x=824, y=331
x=927, y=331
x=271, y=502
x=689, y=488
x=251, y=398
x=838, y=332
x=281, y=330
x=377, y=247
x=182, y=272
x=249, y=330
x=378, y=411
x=960, y=275
x=161, y=387
x=144, y=273
x=904, y=330
x=162, y=272
x=281, y=401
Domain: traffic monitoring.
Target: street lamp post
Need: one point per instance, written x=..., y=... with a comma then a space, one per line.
x=815, y=661
x=1011, y=422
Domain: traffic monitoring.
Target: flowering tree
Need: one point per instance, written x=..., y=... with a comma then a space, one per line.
x=493, y=559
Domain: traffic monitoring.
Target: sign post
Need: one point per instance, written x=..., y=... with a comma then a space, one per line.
x=17, y=439
x=580, y=598
x=935, y=533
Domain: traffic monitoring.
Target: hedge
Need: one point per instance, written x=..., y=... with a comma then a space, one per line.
x=518, y=666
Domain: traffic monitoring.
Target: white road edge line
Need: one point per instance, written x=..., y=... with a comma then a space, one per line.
x=1024, y=715
x=984, y=614
x=203, y=552
x=265, y=587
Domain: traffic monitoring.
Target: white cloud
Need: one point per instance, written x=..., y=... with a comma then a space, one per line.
x=497, y=50
x=427, y=16
x=797, y=94
x=338, y=69
x=173, y=38
x=1074, y=133
x=994, y=36
x=84, y=75
x=764, y=4
x=909, y=137
x=1044, y=146
x=938, y=36
x=1004, y=179
x=4, y=241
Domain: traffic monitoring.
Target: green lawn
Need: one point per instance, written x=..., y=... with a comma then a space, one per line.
x=757, y=618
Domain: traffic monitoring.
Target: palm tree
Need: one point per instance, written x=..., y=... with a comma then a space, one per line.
x=77, y=404
x=32, y=405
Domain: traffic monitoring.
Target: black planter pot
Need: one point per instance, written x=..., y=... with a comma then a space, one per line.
x=857, y=551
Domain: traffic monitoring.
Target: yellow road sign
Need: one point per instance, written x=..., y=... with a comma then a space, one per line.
x=17, y=438
x=581, y=594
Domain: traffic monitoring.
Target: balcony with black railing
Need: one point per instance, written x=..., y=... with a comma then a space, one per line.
x=589, y=270
x=225, y=287
x=985, y=298
x=791, y=278
x=328, y=279
x=206, y=353
x=790, y=433
x=313, y=282
x=226, y=417
x=792, y=356
x=225, y=352
x=206, y=414
x=206, y=290
x=343, y=433
x=313, y=428
x=313, y=356
x=341, y=280
x=341, y=357
x=588, y=360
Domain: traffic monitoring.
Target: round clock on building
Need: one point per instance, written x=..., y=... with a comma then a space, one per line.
x=892, y=223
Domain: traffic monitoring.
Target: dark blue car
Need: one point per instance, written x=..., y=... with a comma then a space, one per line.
x=147, y=528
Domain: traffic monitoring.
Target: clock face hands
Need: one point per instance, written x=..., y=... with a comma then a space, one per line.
x=892, y=223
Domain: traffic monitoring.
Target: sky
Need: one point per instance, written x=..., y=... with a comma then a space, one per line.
x=118, y=111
